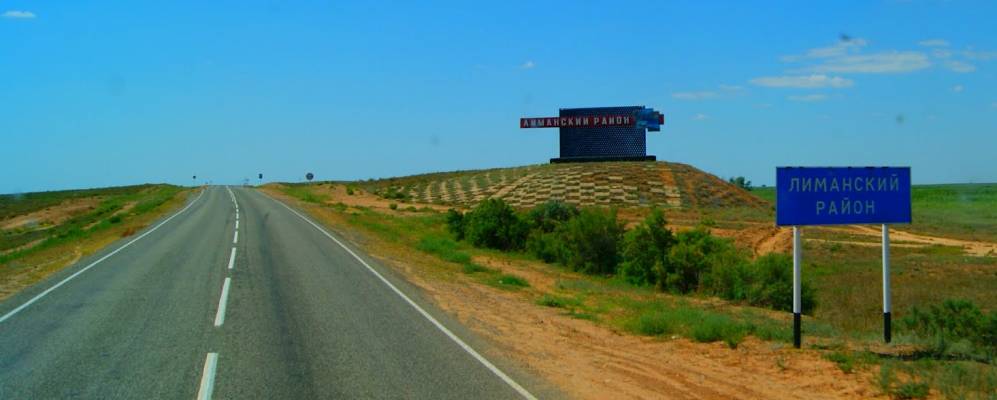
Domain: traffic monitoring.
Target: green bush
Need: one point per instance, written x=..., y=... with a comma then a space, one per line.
x=543, y=242
x=591, y=241
x=494, y=224
x=693, y=255
x=954, y=322
x=513, y=280
x=549, y=215
x=393, y=206
x=645, y=246
x=546, y=246
x=455, y=223
x=772, y=285
x=653, y=324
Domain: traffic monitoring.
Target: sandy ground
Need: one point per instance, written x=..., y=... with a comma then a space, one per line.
x=590, y=361
x=774, y=239
x=53, y=215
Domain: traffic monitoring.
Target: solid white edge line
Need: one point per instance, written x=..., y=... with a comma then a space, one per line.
x=231, y=259
x=222, y=303
x=208, y=377
x=495, y=370
x=84, y=269
x=235, y=239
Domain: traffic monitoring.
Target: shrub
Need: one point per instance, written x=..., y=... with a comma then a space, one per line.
x=114, y=219
x=455, y=223
x=717, y=327
x=911, y=390
x=546, y=246
x=549, y=215
x=513, y=280
x=556, y=301
x=494, y=224
x=953, y=322
x=645, y=246
x=591, y=241
x=772, y=285
x=653, y=324
x=692, y=255
x=393, y=206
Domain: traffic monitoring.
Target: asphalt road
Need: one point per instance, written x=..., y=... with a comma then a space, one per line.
x=297, y=316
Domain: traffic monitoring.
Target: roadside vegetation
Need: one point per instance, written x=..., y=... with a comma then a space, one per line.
x=44, y=232
x=650, y=280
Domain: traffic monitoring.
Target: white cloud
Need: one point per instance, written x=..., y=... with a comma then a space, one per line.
x=880, y=63
x=703, y=95
x=959, y=66
x=803, y=81
x=700, y=117
x=957, y=88
x=18, y=14
x=529, y=64
x=941, y=53
x=732, y=88
x=934, y=43
x=840, y=48
x=808, y=98
x=980, y=55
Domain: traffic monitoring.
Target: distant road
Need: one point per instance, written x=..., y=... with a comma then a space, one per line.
x=297, y=316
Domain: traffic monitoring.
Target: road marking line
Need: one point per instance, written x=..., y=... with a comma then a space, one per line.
x=495, y=370
x=84, y=269
x=236, y=224
x=235, y=239
x=222, y=303
x=208, y=377
x=231, y=259
x=236, y=215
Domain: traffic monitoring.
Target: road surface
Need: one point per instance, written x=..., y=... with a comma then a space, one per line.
x=238, y=296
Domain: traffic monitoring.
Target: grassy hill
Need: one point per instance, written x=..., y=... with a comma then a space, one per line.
x=621, y=184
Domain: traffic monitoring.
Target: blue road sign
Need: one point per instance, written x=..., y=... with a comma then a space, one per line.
x=842, y=195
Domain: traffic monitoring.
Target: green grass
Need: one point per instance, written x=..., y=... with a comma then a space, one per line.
x=101, y=217
x=512, y=280
x=966, y=211
x=847, y=278
x=549, y=300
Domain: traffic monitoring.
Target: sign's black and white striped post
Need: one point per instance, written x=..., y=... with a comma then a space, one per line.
x=887, y=306
x=797, y=303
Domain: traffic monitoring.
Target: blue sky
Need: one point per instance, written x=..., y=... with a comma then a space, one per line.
x=105, y=93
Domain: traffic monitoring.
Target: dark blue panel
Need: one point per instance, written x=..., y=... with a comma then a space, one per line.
x=602, y=142
x=846, y=195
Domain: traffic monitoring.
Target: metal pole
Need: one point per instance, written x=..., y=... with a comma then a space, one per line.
x=887, y=306
x=797, y=264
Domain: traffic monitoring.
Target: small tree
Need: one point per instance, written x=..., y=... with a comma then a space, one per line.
x=645, y=246
x=740, y=182
x=494, y=224
x=592, y=241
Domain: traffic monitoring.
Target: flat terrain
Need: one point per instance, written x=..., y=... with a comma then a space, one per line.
x=239, y=296
x=41, y=233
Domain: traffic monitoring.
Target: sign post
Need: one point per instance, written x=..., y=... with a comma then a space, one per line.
x=841, y=196
x=887, y=304
x=797, y=291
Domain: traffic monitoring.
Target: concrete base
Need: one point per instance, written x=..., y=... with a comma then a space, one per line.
x=600, y=159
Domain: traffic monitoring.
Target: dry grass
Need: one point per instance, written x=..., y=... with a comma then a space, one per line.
x=34, y=266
